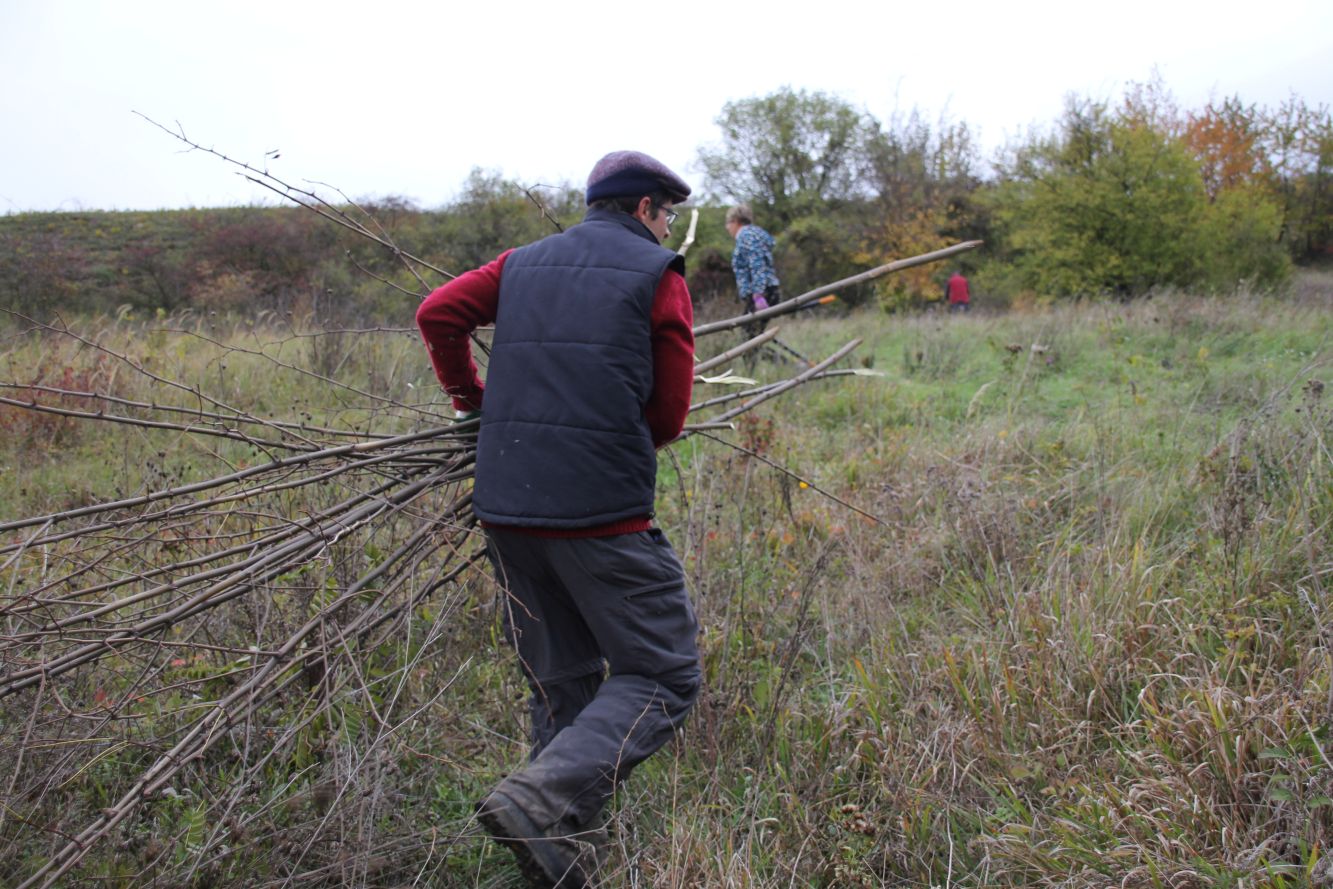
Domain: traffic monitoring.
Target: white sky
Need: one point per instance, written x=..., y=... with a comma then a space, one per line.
x=404, y=98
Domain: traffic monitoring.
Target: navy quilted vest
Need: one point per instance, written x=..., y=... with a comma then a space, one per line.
x=563, y=441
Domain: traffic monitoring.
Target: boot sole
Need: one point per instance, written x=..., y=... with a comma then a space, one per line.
x=539, y=860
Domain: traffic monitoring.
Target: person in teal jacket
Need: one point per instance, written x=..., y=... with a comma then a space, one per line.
x=757, y=282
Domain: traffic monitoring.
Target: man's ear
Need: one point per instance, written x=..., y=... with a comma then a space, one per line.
x=645, y=208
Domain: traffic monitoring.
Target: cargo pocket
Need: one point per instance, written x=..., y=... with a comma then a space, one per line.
x=660, y=628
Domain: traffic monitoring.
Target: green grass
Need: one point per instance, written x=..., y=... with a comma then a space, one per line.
x=1084, y=643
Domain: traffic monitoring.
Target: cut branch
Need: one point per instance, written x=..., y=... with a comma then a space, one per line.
x=791, y=305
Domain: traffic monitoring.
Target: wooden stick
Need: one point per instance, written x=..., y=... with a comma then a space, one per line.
x=796, y=302
x=689, y=234
x=144, y=499
x=234, y=435
x=746, y=393
x=795, y=381
x=192, y=411
x=736, y=351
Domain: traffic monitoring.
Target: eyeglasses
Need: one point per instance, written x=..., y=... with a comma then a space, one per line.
x=671, y=215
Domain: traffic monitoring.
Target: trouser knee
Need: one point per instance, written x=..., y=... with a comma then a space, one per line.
x=684, y=685
x=554, y=705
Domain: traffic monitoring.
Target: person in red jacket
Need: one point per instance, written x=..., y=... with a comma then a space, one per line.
x=591, y=368
x=960, y=300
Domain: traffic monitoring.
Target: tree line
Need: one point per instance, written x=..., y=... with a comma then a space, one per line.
x=1114, y=197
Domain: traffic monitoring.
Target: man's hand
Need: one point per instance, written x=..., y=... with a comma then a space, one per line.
x=760, y=303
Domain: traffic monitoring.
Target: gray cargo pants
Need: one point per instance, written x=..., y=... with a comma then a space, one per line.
x=605, y=634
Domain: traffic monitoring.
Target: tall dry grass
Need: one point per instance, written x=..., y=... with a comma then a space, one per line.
x=1085, y=643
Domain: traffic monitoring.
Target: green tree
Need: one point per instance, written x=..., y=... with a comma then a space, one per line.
x=492, y=214
x=1283, y=156
x=815, y=250
x=1116, y=202
x=789, y=154
x=1239, y=241
x=1298, y=140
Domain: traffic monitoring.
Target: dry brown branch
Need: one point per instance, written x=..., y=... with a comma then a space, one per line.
x=196, y=487
x=278, y=536
x=192, y=411
x=321, y=378
x=208, y=730
x=194, y=391
x=374, y=276
x=746, y=393
x=307, y=199
x=736, y=351
x=234, y=435
x=796, y=302
x=545, y=213
x=796, y=477
x=774, y=391
x=380, y=236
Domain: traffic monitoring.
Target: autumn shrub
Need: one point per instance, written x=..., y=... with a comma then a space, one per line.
x=273, y=253
x=59, y=381
x=40, y=273
x=813, y=251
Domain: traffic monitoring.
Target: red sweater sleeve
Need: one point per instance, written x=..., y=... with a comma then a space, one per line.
x=673, y=358
x=447, y=318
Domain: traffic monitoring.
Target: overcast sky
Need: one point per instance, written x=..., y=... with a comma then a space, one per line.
x=405, y=98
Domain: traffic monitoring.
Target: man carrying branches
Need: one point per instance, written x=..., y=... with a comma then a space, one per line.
x=590, y=371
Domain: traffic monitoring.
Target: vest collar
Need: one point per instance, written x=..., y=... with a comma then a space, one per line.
x=624, y=220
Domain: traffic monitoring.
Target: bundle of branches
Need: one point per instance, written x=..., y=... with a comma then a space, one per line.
x=211, y=679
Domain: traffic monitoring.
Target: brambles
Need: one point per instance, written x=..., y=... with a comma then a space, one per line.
x=60, y=377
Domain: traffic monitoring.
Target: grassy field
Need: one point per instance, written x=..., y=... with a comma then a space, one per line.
x=1074, y=633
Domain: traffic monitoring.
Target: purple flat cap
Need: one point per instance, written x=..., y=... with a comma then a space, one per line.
x=633, y=173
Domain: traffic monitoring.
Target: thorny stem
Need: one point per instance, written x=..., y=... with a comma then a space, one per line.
x=319, y=206
x=799, y=478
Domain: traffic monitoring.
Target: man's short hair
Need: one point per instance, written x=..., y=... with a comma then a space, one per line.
x=740, y=213
x=630, y=203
